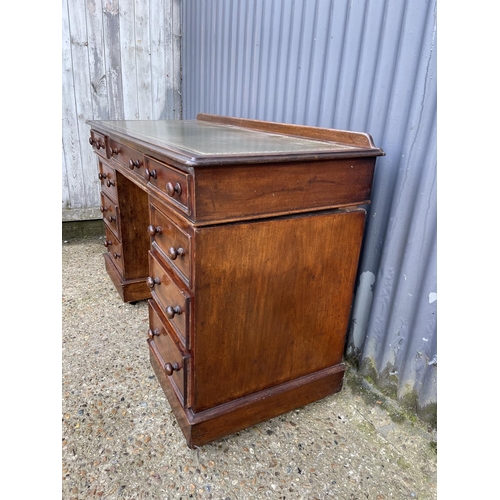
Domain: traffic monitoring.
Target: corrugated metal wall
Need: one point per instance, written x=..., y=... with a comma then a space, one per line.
x=363, y=65
x=120, y=60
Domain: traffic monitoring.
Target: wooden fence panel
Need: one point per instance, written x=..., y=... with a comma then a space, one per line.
x=120, y=60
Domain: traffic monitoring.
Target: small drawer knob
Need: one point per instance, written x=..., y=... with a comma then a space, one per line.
x=172, y=311
x=152, y=230
x=107, y=243
x=134, y=163
x=91, y=141
x=150, y=173
x=173, y=190
x=170, y=369
x=153, y=333
x=101, y=176
x=113, y=151
x=111, y=218
x=110, y=183
x=173, y=253
x=116, y=255
x=151, y=282
x=103, y=209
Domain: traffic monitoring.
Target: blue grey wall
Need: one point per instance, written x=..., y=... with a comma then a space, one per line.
x=367, y=66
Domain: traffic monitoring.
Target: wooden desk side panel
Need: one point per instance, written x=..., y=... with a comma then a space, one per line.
x=134, y=219
x=272, y=301
x=246, y=191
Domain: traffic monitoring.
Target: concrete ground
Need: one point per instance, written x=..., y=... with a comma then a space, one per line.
x=120, y=439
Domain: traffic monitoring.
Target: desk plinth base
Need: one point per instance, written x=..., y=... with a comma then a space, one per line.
x=129, y=290
x=209, y=425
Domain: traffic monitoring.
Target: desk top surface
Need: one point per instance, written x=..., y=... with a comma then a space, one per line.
x=200, y=141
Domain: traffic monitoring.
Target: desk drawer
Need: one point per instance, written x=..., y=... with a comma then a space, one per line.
x=173, y=302
x=173, y=184
x=114, y=246
x=110, y=214
x=107, y=176
x=128, y=157
x=169, y=354
x=171, y=242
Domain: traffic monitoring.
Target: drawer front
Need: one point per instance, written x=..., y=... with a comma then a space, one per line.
x=169, y=354
x=114, y=246
x=171, y=242
x=173, y=302
x=128, y=157
x=173, y=184
x=110, y=214
x=98, y=142
x=107, y=176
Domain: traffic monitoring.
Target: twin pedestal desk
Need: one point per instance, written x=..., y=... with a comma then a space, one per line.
x=244, y=236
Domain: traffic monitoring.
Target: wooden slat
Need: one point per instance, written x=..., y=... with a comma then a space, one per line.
x=142, y=58
x=83, y=100
x=113, y=59
x=173, y=63
x=65, y=186
x=75, y=194
x=128, y=60
x=97, y=60
x=159, y=50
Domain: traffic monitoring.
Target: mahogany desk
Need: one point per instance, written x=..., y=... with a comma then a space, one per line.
x=245, y=238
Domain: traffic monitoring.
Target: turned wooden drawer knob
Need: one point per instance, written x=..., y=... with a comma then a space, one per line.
x=110, y=183
x=150, y=173
x=111, y=218
x=96, y=144
x=172, y=311
x=173, y=190
x=102, y=176
x=113, y=151
x=151, y=282
x=153, y=333
x=134, y=163
x=169, y=368
x=103, y=209
x=154, y=230
x=173, y=253
x=107, y=243
x=116, y=255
